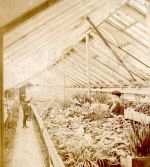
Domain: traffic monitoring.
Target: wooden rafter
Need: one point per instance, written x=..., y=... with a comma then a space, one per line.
x=98, y=69
x=88, y=58
x=75, y=60
x=109, y=67
x=79, y=70
x=71, y=72
x=125, y=32
x=109, y=47
x=115, y=61
x=42, y=33
x=94, y=71
x=72, y=78
x=123, y=48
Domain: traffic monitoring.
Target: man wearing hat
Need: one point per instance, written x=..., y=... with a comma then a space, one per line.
x=117, y=107
x=25, y=112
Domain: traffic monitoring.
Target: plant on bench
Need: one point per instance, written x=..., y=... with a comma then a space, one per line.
x=139, y=139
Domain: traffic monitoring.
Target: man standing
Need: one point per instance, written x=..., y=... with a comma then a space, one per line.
x=117, y=107
x=25, y=113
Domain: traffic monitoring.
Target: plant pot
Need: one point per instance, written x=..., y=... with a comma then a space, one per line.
x=130, y=161
x=110, y=164
x=113, y=165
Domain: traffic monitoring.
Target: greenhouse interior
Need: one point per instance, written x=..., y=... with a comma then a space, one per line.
x=76, y=83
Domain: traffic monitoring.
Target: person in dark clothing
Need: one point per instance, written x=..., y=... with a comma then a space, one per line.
x=30, y=114
x=25, y=113
x=117, y=107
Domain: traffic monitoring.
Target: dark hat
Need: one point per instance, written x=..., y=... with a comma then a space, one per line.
x=116, y=92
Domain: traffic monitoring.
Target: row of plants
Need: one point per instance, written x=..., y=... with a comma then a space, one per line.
x=94, y=97
x=139, y=138
x=138, y=134
x=10, y=131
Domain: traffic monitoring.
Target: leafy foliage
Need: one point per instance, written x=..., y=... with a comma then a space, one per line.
x=139, y=138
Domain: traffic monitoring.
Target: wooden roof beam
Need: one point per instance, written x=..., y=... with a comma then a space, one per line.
x=126, y=52
x=81, y=61
x=77, y=68
x=114, y=31
x=73, y=74
x=109, y=47
x=126, y=33
x=110, y=68
x=98, y=69
x=131, y=65
x=81, y=66
x=95, y=72
x=70, y=77
x=78, y=72
x=114, y=7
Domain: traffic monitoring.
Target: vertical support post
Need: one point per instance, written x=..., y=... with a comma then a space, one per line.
x=88, y=63
x=64, y=79
x=149, y=91
x=148, y=28
x=1, y=104
x=137, y=96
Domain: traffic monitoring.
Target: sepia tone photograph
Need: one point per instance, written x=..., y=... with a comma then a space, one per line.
x=74, y=83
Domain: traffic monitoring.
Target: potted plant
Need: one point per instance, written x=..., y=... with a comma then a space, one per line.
x=139, y=145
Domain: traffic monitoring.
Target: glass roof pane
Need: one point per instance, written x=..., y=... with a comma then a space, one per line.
x=116, y=23
x=139, y=5
x=141, y=27
x=136, y=36
x=140, y=33
x=123, y=18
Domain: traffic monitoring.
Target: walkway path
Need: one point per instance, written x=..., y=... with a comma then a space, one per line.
x=26, y=147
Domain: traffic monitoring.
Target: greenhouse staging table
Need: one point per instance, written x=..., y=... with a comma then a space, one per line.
x=27, y=151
